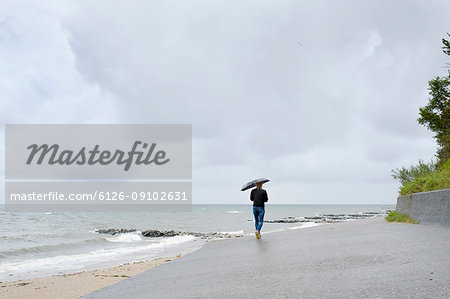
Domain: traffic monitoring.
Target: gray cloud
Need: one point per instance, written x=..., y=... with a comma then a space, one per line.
x=322, y=97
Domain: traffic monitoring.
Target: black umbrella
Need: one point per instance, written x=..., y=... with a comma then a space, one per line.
x=253, y=183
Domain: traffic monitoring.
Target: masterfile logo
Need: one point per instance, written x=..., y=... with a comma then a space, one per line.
x=91, y=157
x=98, y=152
x=98, y=167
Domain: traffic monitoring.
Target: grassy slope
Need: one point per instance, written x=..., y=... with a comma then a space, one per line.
x=397, y=217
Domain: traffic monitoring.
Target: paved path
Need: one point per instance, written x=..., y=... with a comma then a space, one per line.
x=362, y=259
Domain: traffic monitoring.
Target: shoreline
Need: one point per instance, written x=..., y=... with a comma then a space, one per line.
x=298, y=222
x=74, y=285
x=363, y=259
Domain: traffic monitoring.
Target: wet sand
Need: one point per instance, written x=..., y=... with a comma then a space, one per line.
x=76, y=284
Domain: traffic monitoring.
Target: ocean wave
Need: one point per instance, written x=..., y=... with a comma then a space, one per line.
x=48, y=248
x=75, y=262
x=126, y=237
x=234, y=212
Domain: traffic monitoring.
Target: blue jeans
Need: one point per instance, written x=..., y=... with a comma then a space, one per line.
x=258, y=212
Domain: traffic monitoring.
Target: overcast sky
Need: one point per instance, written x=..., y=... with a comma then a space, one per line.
x=321, y=97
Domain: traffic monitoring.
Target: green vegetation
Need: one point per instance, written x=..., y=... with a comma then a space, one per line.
x=407, y=175
x=436, y=117
x=428, y=181
x=397, y=217
x=436, y=114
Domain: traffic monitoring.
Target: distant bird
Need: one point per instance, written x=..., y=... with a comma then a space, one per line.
x=300, y=44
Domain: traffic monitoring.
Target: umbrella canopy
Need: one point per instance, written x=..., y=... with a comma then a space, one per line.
x=253, y=183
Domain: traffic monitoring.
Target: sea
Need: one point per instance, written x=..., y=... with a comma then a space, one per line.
x=43, y=244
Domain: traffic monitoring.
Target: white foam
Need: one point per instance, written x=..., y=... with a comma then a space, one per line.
x=304, y=225
x=238, y=232
x=234, y=212
x=126, y=238
x=96, y=259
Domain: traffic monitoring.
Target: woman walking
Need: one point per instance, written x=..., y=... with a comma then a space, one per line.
x=259, y=197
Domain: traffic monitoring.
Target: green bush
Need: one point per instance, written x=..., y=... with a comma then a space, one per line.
x=406, y=175
x=397, y=217
x=429, y=181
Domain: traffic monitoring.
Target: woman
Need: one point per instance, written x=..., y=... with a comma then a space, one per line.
x=259, y=197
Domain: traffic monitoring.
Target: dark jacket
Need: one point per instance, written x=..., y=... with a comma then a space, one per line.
x=259, y=197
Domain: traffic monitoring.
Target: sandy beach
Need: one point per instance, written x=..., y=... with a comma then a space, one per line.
x=76, y=284
x=359, y=259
